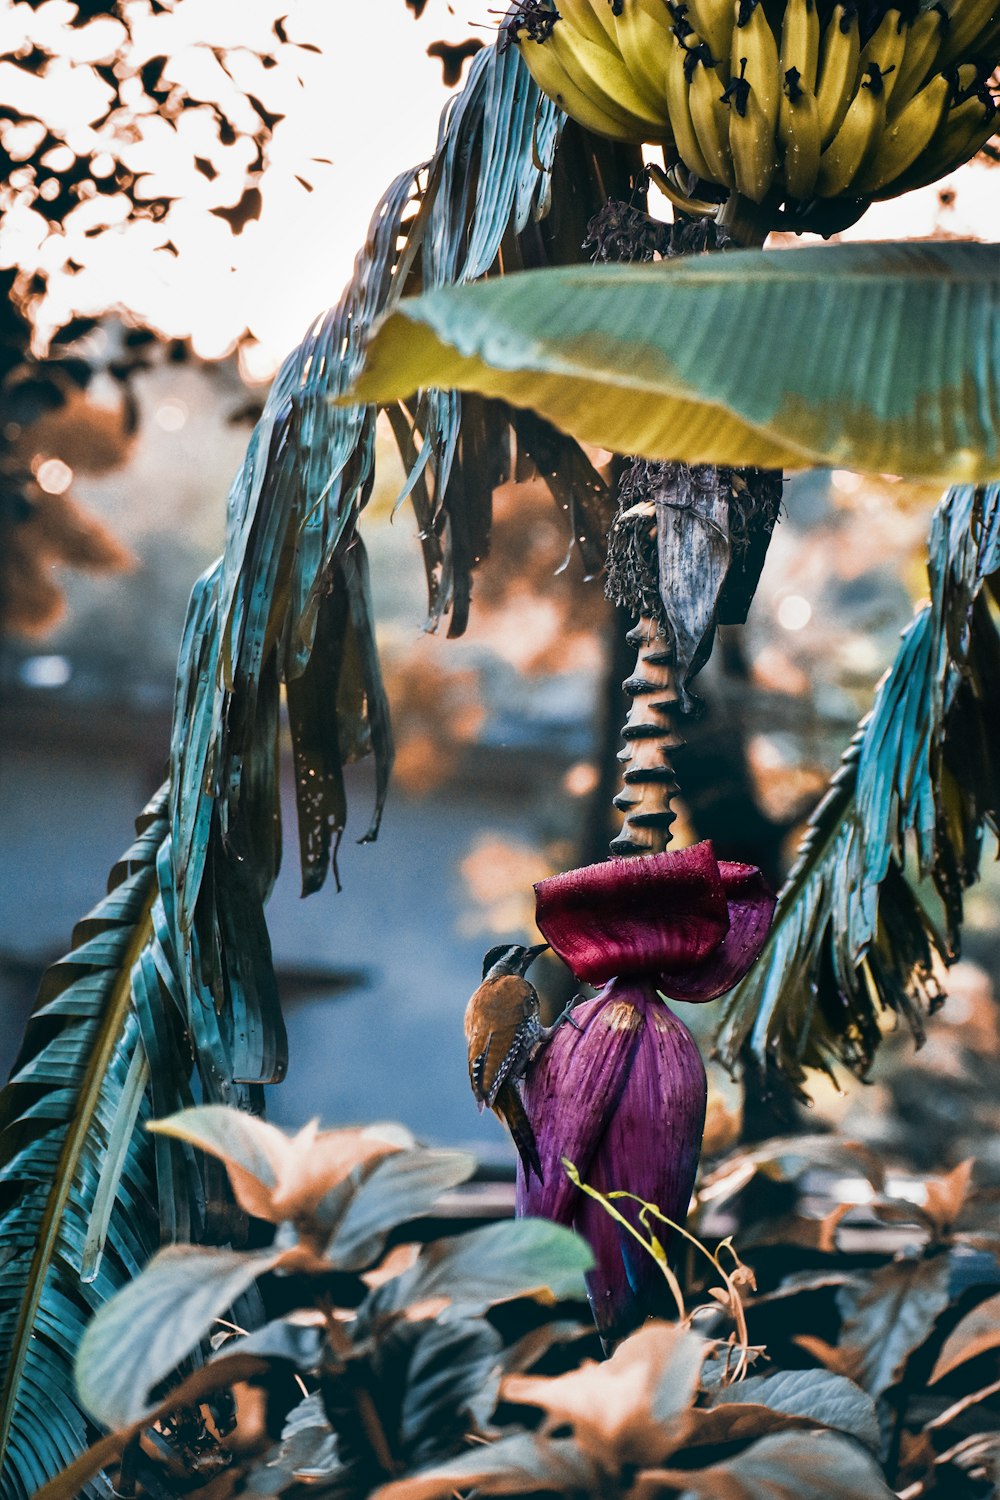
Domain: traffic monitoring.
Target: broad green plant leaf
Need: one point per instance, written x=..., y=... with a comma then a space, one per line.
x=433, y=1382
x=523, y=1257
x=400, y=1187
x=880, y=357
x=817, y=1395
x=787, y=1466
x=307, y=1451
x=143, y=1333
x=890, y=1313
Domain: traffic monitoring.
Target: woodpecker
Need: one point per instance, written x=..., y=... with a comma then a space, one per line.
x=504, y=1032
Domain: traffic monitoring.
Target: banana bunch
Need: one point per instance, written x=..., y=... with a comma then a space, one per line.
x=788, y=101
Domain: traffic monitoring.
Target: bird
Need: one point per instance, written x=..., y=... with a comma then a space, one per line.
x=504, y=1031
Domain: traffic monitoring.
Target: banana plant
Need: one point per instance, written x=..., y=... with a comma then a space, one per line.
x=178, y=996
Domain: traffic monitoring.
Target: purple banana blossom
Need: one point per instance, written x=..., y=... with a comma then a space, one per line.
x=623, y=1098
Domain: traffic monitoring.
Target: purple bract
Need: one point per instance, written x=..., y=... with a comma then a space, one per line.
x=623, y=1098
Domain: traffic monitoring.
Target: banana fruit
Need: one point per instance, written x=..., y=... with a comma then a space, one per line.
x=804, y=101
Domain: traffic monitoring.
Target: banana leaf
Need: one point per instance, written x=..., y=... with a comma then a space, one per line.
x=880, y=357
x=876, y=891
x=511, y=184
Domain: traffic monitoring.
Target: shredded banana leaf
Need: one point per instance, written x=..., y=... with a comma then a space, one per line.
x=876, y=891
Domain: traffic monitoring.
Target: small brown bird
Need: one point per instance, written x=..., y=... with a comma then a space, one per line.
x=504, y=1032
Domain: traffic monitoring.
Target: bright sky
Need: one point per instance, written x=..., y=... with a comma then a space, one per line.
x=369, y=101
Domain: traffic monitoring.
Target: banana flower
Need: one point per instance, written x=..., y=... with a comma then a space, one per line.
x=623, y=1096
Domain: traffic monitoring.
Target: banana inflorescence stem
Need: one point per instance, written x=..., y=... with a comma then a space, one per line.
x=695, y=509
x=650, y=734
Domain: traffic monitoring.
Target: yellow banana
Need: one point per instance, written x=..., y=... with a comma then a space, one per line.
x=550, y=75
x=604, y=76
x=840, y=49
x=751, y=141
x=710, y=118
x=798, y=132
x=601, y=16
x=713, y=20
x=964, y=130
x=906, y=137
x=754, y=58
x=854, y=146
x=924, y=38
x=968, y=19
x=643, y=35
x=581, y=16
x=885, y=49
x=800, y=41
x=680, y=64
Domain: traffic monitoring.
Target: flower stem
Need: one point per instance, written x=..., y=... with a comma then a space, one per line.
x=650, y=734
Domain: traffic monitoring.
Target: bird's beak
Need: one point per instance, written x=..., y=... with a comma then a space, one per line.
x=530, y=954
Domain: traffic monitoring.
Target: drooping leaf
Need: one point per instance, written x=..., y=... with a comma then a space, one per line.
x=890, y=1313
x=870, y=356
x=978, y=1332
x=154, y=1322
x=293, y=578
x=788, y=1466
x=861, y=919
x=476, y=1270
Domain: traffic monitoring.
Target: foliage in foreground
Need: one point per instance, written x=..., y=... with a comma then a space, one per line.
x=862, y=1368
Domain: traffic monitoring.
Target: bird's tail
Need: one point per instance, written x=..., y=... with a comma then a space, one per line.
x=510, y=1109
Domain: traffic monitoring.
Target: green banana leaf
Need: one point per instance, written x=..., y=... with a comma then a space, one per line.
x=879, y=357
x=877, y=888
